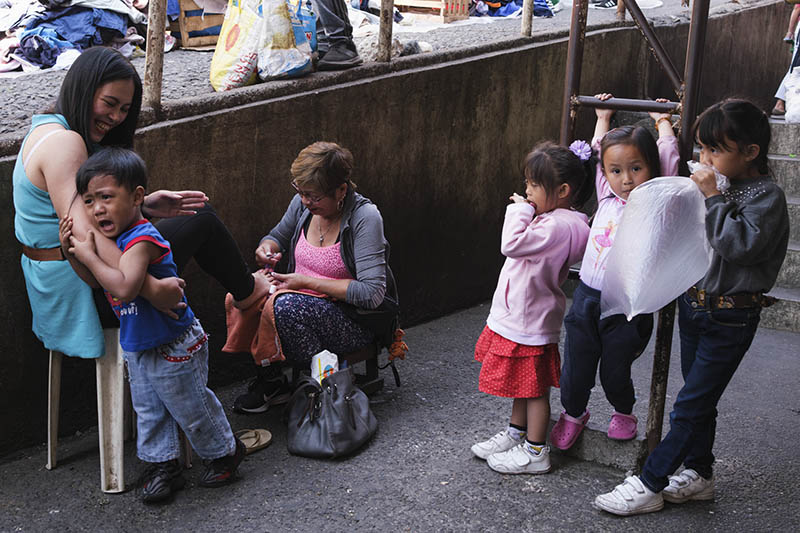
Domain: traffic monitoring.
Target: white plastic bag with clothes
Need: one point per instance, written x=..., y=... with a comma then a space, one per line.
x=660, y=249
x=793, y=97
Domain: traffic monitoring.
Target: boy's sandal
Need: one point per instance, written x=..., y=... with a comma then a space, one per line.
x=778, y=112
x=254, y=439
x=788, y=38
x=622, y=426
x=567, y=430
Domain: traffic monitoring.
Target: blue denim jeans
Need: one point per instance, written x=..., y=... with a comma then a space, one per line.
x=613, y=342
x=168, y=389
x=713, y=344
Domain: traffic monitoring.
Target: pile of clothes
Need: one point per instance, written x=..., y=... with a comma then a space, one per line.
x=509, y=8
x=38, y=34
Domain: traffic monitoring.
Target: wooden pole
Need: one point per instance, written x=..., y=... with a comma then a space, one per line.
x=385, y=35
x=154, y=59
x=527, y=18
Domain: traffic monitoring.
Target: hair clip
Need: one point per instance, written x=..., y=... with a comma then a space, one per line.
x=581, y=149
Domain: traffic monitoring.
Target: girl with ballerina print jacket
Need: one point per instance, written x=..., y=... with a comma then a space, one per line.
x=628, y=157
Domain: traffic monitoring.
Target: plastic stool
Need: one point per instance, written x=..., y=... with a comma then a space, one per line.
x=115, y=419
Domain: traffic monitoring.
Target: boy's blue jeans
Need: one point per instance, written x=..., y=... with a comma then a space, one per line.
x=613, y=342
x=168, y=389
x=713, y=343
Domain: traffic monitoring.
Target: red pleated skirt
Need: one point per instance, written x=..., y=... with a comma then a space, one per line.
x=513, y=370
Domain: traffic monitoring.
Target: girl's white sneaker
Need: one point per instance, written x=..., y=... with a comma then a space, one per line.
x=629, y=498
x=499, y=443
x=518, y=460
x=688, y=485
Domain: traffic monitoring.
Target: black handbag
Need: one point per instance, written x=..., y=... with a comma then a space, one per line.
x=331, y=419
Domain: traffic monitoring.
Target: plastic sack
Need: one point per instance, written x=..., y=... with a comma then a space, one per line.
x=286, y=51
x=793, y=97
x=723, y=183
x=236, y=54
x=660, y=249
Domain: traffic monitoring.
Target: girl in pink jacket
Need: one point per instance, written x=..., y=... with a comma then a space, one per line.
x=542, y=236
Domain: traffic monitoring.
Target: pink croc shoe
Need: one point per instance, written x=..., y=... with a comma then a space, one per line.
x=567, y=430
x=622, y=426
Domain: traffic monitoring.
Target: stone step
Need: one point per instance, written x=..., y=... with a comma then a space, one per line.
x=789, y=276
x=785, y=314
x=786, y=171
x=785, y=138
x=793, y=203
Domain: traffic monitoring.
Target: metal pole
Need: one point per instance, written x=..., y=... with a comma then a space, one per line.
x=666, y=316
x=385, y=35
x=572, y=81
x=527, y=18
x=693, y=74
x=154, y=58
x=621, y=9
x=628, y=104
x=656, y=47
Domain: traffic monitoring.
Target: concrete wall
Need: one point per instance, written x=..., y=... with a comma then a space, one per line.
x=437, y=140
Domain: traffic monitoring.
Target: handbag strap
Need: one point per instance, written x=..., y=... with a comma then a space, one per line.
x=311, y=397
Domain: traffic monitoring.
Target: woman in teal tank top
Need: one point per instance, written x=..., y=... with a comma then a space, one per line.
x=99, y=105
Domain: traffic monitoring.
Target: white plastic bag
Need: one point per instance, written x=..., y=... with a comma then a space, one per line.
x=660, y=249
x=285, y=51
x=793, y=97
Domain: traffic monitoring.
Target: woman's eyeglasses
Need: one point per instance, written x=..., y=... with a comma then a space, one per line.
x=311, y=198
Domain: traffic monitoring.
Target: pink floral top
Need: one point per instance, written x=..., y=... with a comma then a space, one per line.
x=323, y=263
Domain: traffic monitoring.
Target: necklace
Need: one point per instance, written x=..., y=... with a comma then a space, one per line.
x=321, y=233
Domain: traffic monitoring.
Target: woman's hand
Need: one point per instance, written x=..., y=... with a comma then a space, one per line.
x=167, y=204
x=267, y=254
x=294, y=282
x=602, y=113
x=706, y=181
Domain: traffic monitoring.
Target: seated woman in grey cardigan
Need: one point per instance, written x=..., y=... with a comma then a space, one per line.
x=332, y=241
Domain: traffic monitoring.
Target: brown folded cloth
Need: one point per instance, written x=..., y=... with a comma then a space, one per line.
x=252, y=330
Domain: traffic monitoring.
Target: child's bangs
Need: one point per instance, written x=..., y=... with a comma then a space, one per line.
x=538, y=169
x=712, y=129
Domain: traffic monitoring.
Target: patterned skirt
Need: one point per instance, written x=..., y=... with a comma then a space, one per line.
x=513, y=370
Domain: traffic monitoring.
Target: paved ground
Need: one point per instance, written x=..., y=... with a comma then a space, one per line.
x=417, y=474
x=186, y=72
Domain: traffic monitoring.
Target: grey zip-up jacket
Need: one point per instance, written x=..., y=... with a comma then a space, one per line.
x=364, y=249
x=748, y=228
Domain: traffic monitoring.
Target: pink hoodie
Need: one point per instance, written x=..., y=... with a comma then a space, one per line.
x=528, y=304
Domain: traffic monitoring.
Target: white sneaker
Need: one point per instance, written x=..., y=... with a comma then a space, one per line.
x=688, y=485
x=518, y=460
x=499, y=443
x=629, y=498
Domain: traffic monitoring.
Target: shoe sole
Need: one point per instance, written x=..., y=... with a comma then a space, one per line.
x=263, y=408
x=650, y=509
x=700, y=497
x=323, y=66
x=542, y=471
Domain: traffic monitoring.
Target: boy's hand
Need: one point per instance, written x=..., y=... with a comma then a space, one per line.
x=167, y=204
x=706, y=181
x=169, y=296
x=84, y=251
x=604, y=114
x=65, y=233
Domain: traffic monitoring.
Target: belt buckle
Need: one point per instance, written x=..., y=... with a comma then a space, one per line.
x=725, y=302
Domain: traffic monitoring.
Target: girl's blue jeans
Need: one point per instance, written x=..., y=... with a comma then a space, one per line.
x=713, y=343
x=613, y=342
x=168, y=389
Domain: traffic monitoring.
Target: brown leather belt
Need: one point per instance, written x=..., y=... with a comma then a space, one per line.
x=742, y=300
x=43, y=254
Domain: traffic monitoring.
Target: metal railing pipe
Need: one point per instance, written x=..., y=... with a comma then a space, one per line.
x=661, y=55
x=627, y=104
x=527, y=18
x=572, y=80
x=693, y=74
